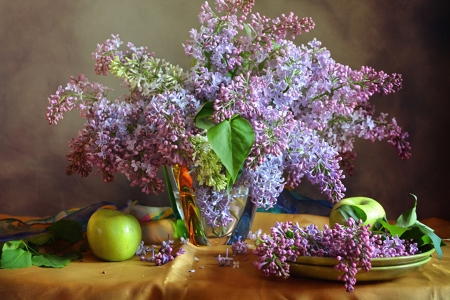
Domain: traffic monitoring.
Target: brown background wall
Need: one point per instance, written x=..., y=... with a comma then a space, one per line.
x=43, y=42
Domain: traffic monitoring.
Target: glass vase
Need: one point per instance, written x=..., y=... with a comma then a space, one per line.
x=242, y=211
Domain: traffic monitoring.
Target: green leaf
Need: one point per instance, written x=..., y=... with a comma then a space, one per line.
x=12, y=245
x=290, y=234
x=426, y=240
x=15, y=259
x=433, y=236
x=407, y=227
x=378, y=226
x=68, y=230
x=393, y=229
x=180, y=229
x=424, y=236
x=41, y=239
x=229, y=182
x=51, y=260
x=352, y=211
x=173, y=202
x=248, y=30
x=232, y=141
x=202, y=117
x=409, y=217
x=261, y=65
x=55, y=261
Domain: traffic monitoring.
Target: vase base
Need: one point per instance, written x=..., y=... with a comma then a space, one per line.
x=218, y=241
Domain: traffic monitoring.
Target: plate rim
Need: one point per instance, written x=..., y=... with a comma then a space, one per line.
x=376, y=262
x=381, y=273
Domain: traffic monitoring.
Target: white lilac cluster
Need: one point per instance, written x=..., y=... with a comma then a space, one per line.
x=254, y=235
x=225, y=261
x=304, y=109
x=353, y=246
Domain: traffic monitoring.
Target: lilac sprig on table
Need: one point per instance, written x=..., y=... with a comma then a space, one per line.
x=142, y=249
x=353, y=246
x=163, y=256
x=239, y=247
x=225, y=261
x=165, y=253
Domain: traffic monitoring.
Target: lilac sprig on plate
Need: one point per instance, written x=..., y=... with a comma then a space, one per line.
x=353, y=246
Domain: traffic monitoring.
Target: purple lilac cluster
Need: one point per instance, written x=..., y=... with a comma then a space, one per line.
x=392, y=246
x=266, y=181
x=353, y=246
x=165, y=254
x=136, y=135
x=214, y=205
x=239, y=247
x=304, y=108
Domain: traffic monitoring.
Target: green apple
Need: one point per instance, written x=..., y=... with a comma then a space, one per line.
x=113, y=235
x=367, y=209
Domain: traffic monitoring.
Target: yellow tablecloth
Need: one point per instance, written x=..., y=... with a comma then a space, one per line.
x=134, y=279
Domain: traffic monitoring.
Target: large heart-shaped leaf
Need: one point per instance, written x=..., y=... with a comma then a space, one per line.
x=232, y=141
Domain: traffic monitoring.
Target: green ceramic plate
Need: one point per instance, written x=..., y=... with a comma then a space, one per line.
x=375, y=274
x=376, y=262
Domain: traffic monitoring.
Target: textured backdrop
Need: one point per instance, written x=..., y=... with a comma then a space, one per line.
x=43, y=42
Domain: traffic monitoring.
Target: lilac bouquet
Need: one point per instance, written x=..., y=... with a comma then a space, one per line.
x=253, y=108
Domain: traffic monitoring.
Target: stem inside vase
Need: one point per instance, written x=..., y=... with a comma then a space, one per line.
x=242, y=211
